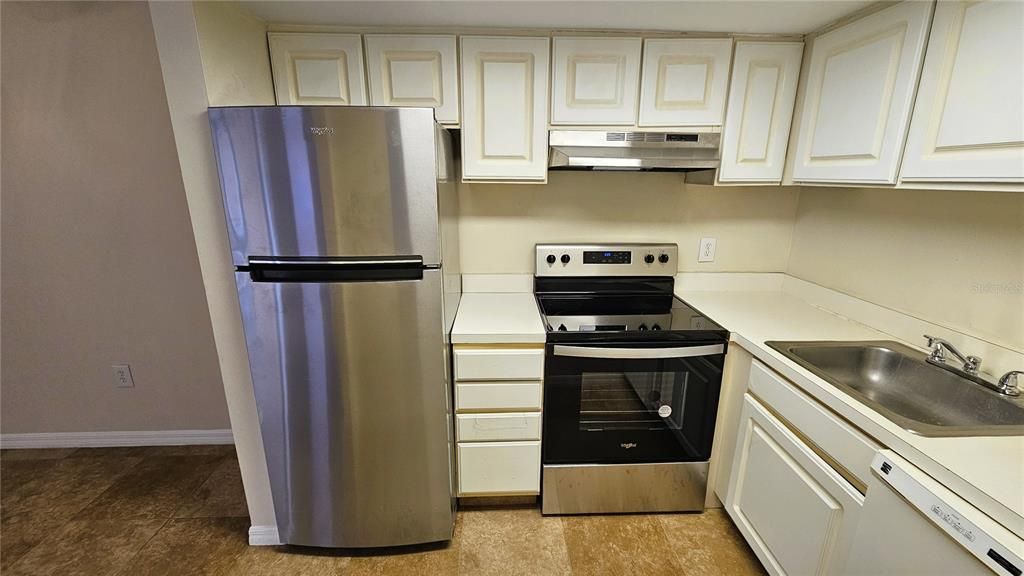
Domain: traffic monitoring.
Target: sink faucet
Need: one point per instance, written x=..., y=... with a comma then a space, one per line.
x=1008, y=383
x=939, y=348
x=970, y=370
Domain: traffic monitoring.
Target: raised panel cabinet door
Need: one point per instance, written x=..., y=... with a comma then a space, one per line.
x=968, y=123
x=860, y=88
x=504, y=108
x=797, y=513
x=684, y=82
x=760, y=111
x=414, y=70
x=594, y=80
x=322, y=69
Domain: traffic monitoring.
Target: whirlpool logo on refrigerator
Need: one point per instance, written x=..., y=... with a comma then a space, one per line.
x=628, y=445
x=321, y=131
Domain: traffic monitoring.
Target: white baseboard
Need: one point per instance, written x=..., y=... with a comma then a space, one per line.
x=263, y=536
x=107, y=439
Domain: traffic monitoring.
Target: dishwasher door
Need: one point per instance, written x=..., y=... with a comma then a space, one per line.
x=912, y=525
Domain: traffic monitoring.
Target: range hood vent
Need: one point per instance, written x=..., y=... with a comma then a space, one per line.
x=597, y=150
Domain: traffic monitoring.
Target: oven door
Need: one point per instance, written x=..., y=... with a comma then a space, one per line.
x=637, y=402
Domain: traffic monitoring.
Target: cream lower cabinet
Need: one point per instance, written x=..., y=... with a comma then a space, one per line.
x=968, y=123
x=414, y=70
x=498, y=394
x=796, y=512
x=320, y=69
x=860, y=88
x=760, y=111
x=504, y=108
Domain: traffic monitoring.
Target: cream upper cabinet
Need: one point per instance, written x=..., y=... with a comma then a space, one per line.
x=325, y=69
x=414, y=70
x=860, y=88
x=594, y=80
x=504, y=108
x=684, y=82
x=968, y=124
x=760, y=111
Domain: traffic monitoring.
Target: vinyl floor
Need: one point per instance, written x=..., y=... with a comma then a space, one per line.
x=181, y=510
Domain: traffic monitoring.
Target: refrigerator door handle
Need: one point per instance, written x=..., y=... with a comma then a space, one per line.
x=334, y=268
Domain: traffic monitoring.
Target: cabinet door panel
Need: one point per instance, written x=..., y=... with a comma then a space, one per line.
x=320, y=69
x=968, y=123
x=504, y=99
x=860, y=88
x=414, y=70
x=796, y=512
x=499, y=468
x=595, y=80
x=684, y=82
x=760, y=112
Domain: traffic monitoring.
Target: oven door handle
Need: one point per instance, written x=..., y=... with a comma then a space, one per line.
x=638, y=353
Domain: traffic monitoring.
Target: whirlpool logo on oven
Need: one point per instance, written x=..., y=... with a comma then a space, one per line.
x=628, y=445
x=321, y=131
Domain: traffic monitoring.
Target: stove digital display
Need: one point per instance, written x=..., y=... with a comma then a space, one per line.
x=602, y=257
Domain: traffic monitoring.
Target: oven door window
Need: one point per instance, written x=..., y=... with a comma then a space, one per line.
x=609, y=410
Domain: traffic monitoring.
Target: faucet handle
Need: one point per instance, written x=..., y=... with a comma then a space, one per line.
x=1008, y=383
x=936, y=345
x=972, y=364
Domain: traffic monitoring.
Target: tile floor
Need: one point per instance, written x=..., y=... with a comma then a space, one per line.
x=181, y=510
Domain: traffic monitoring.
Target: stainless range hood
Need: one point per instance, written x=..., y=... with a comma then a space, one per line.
x=599, y=150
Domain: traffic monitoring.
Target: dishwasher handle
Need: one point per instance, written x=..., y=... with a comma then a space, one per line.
x=637, y=353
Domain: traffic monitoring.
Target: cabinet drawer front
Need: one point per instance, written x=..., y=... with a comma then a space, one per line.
x=796, y=512
x=495, y=396
x=489, y=427
x=499, y=468
x=525, y=364
x=849, y=447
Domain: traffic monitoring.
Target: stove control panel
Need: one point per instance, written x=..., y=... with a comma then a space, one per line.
x=606, y=259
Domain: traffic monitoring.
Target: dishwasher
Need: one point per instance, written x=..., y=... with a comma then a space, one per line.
x=911, y=525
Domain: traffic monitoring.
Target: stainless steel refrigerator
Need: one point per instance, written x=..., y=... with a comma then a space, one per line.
x=341, y=222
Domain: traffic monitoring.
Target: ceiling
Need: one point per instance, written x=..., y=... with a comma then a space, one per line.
x=738, y=16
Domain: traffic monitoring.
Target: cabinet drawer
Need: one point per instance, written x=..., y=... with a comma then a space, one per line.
x=497, y=396
x=499, y=468
x=849, y=447
x=488, y=427
x=497, y=364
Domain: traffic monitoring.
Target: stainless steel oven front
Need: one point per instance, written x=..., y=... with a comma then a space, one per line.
x=628, y=425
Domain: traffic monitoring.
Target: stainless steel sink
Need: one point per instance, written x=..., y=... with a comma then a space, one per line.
x=895, y=381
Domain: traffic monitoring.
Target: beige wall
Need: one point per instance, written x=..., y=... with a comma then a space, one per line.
x=500, y=223
x=950, y=257
x=99, y=262
x=236, y=59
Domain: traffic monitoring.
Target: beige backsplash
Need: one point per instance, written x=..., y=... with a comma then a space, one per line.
x=949, y=257
x=500, y=223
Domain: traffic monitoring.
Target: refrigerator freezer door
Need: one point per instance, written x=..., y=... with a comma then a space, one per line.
x=350, y=380
x=328, y=181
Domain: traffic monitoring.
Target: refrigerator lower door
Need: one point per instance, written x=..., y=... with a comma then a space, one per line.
x=351, y=387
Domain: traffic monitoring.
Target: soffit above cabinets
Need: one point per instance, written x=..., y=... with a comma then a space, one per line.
x=739, y=17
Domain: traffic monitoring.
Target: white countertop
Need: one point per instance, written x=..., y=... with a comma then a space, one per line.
x=986, y=471
x=498, y=318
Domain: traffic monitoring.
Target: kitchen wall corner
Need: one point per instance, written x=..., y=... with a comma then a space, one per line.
x=178, y=46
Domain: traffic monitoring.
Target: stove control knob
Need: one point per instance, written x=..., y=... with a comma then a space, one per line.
x=565, y=258
x=655, y=327
x=551, y=258
x=642, y=327
x=562, y=328
x=649, y=258
x=663, y=258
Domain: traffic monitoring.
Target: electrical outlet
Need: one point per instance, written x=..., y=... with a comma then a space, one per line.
x=707, y=250
x=123, y=376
